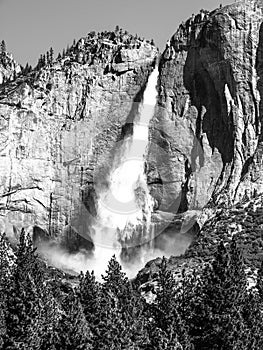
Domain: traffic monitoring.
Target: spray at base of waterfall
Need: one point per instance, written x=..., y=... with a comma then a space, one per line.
x=84, y=260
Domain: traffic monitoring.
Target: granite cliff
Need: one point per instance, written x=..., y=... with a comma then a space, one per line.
x=205, y=153
x=58, y=122
x=61, y=122
x=206, y=136
x=210, y=115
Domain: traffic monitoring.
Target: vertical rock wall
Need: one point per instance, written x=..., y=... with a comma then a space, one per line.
x=57, y=125
x=206, y=134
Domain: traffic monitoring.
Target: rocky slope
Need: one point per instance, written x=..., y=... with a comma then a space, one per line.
x=58, y=123
x=244, y=221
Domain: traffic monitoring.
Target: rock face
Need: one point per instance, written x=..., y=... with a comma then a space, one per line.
x=61, y=123
x=57, y=124
x=205, y=154
x=206, y=137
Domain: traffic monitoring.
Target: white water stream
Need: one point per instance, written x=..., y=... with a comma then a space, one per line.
x=126, y=203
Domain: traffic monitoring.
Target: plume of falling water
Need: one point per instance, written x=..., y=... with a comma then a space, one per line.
x=126, y=204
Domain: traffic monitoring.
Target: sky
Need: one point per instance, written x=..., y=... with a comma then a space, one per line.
x=31, y=27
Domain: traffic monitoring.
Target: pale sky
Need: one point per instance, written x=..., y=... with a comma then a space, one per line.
x=31, y=27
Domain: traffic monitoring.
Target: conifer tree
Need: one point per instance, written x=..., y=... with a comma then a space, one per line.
x=40, y=62
x=89, y=294
x=160, y=340
x=4, y=277
x=113, y=310
x=217, y=321
x=51, y=55
x=2, y=320
x=48, y=57
x=111, y=330
x=259, y=284
x=24, y=298
x=253, y=313
x=165, y=309
x=115, y=280
x=3, y=46
x=44, y=60
x=73, y=330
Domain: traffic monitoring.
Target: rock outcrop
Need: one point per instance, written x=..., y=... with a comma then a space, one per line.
x=9, y=68
x=58, y=123
x=206, y=137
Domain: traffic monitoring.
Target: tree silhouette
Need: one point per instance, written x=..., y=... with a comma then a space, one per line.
x=4, y=278
x=24, y=298
x=165, y=310
x=89, y=293
x=3, y=46
x=73, y=330
x=51, y=55
x=217, y=321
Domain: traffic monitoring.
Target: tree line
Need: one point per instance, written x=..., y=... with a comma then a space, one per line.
x=205, y=310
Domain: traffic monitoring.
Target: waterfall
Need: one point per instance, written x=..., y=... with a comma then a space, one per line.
x=124, y=207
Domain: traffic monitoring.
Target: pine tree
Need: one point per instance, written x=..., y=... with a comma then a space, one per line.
x=44, y=60
x=4, y=277
x=48, y=57
x=111, y=330
x=3, y=311
x=39, y=62
x=73, y=330
x=253, y=313
x=165, y=309
x=89, y=294
x=51, y=55
x=259, y=284
x=113, y=310
x=3, y=47
x=237, y=273
x=24, y=298
x=115, y=280
x=217, y=321
x=49, y=320
x=160, y=340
